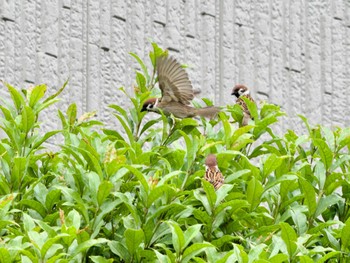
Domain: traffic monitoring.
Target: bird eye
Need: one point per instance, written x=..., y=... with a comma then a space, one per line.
x=150, y=106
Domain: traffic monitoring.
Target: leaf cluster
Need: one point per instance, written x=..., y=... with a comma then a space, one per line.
x=137, y=194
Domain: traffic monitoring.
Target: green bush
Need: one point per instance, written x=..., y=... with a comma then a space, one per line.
x=136, y=193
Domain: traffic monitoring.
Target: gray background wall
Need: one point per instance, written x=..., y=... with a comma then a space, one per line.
x=295, y=53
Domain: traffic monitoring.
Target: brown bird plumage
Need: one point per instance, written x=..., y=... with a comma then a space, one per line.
x=177, y=92
x=212, y=173
x=242, y=91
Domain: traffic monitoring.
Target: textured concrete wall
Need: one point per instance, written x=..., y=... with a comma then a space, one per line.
x=295, y=53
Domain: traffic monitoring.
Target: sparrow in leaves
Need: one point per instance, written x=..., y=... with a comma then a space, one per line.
x=177, y=92
x=212, y=172
x=242, y=91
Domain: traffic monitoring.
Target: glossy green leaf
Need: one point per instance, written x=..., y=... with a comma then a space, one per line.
x=133, y=239
x=325, y=152
x=254, y=192
x=345, y=236
x=4, y=255
x=17, y=98
x=194, y=250
x=18, y=172
x=191, y=233
x=178, y=237
x=119, y=249
x=142, y=64
x=104, y=189
x=289, y=237
x=100, y=259
x=36, y=94
x=271, y=164
x=83, y=247
x=309, y=195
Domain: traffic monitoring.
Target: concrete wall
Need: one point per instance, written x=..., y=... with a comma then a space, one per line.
x=295, y=53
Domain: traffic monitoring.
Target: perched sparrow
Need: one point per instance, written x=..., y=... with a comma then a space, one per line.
x=177, y=92
x=212, y=172
x=239, y=91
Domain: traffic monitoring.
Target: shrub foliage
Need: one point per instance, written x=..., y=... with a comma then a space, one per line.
x=136, y=193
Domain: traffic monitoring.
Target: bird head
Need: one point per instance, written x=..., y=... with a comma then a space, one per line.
x=150, y=104
x=211, y=161
x=240, y=90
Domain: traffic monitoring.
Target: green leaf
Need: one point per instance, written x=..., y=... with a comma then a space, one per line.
x=35, y=205
x=18, y=172
x=235, y=205
x=104, y=189
x=119, y=249
x=305, y=259
x=194, y=250
x=240, y=131
x=159, y=191
x=99, y=259
x=28, y=119
x=157, y=52
x=17, y=98
x=345, y=236
x=289, y=237
x=191, y=233
x=148, y=125
x=221, y=193
x=36, y=94
x=178, y=237
x=49, y=243
x=142, y=64
x=83, y=247
x=328, y=256
x=4, y=255
x=278, y=258
x=254, y=192
x=72, y=114
x=271, y=164
x=133, y=239
x=52, y=97
x=191, y=149
x=252, y=107
x=306, y=122
x=325, y=152
x=309, y=195
x=141, y=81
x=42, y=139
x=162, y=258
x=325, y=202
x=52, y=198
x=255, y=252
x=140, y=176
x=210, y=196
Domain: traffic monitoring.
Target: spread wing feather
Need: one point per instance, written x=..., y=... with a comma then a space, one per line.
x=173, y=81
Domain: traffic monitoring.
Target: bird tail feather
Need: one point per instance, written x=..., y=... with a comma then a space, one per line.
x=208, y=112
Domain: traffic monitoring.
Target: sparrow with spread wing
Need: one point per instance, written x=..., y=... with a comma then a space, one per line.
x=212, y=172
x=242, y=91
x=177, y=92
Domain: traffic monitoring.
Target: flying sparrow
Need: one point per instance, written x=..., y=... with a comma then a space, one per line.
x=212, y=172
x=242, y=91
x=177, y=92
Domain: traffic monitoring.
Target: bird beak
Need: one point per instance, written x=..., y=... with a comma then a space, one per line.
x=234, y=94
x=143, y=109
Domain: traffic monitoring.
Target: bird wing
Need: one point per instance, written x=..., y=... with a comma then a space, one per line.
x=173, y=81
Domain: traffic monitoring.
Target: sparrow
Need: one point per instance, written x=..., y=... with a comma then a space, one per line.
x=212, y=172
x=242, y=91
x=177, y=92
